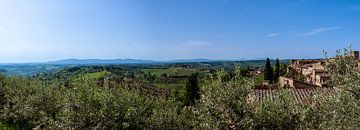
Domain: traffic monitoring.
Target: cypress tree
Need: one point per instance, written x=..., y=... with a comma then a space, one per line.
x=277, y=70
x=192, y=90
x=268, y=73
x=132, y=75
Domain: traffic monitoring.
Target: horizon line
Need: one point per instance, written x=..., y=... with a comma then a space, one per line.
x=152, y=60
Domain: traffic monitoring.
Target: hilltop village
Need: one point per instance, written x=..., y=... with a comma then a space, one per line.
x=303, y=78
x=311, y=73
x=305, y=73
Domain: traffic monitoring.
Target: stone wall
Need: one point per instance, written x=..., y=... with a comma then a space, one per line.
x=286, y=82
x=302, y=85
x=291, y=83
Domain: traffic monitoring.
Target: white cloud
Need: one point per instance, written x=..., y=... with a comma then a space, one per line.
x=2, y=29
x=320, y=30
x=354, y=8
x=273, y=34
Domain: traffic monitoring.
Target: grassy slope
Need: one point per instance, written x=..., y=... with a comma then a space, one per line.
x=172, y=71
x=95, y=75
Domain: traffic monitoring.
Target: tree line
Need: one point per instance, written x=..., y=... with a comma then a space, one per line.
x=272, y=74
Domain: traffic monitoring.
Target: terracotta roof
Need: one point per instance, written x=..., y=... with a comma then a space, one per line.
x=301, y=95
x=306, y=65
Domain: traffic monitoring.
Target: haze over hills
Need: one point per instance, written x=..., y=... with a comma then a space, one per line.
x=132, y=61
x=26, y=69
x=75, y=61
x=100, y=61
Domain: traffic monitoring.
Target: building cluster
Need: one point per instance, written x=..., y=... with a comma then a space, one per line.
x=314, y=73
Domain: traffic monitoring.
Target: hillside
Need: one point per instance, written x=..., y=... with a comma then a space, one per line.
x=29, y=69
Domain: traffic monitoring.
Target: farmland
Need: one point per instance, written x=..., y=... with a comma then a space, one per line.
x=172, y=96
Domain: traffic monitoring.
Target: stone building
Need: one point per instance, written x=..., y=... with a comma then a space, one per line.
x=314, y=71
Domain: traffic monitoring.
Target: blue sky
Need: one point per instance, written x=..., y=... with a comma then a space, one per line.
x=42, y=30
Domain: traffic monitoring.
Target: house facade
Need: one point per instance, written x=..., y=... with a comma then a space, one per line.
x=314, y=71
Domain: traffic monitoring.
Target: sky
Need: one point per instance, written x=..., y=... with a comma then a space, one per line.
x=47, y=30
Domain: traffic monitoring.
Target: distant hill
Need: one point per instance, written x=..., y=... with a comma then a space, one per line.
x=127, y=61
x=28, y=69
x=190, y=60
x=99, y=61
x=124, y=61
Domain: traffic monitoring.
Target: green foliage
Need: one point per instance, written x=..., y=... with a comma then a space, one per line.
x=95, y=75
x=340, y=111
x=29, y=104
x=174, y=116
x=7, y=127
x=345, y=72
x=282, y=113
x=224, y=104
x=283, y=69
x=224, y=101
x=293, y=74
x=172, y=71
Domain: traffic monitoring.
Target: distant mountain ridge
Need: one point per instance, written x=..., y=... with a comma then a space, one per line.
x=127, y=61
x=28, y=69
x=100, y=61
x=75, y=61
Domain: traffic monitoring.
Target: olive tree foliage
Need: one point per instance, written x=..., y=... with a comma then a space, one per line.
x=345, y=72
x=32, y=104
x=229, y=105
x=282, y=113
x=172, y=115
x=339, y=111
x=224, y=104
x=342, y=109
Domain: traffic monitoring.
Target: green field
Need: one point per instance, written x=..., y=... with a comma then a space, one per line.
x=95, y=75
x=172, y=71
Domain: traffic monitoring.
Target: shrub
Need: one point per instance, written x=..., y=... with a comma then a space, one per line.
x=224, y=104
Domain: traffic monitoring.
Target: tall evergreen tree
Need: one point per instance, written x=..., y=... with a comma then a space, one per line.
x=277, y=70
x=192, y=90
x=268, y=73
x=132, y=75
